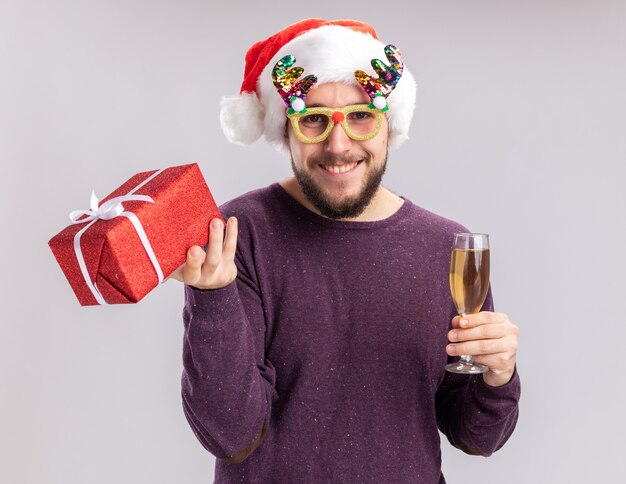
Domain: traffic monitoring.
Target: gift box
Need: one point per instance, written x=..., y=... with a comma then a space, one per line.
x=123, y=247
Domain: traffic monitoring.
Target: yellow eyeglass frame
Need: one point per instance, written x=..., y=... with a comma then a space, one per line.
x=295, y=117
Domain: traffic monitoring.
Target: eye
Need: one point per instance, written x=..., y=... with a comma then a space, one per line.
x=313, y=119
x=361, y=116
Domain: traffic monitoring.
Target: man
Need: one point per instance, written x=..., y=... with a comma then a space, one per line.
x=316, y=329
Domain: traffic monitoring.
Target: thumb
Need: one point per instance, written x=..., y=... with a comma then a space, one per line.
x=456, y=322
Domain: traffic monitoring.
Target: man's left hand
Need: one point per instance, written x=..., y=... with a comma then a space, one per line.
x=491, y=338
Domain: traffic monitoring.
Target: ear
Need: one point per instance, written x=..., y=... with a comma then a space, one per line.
x=286, y=131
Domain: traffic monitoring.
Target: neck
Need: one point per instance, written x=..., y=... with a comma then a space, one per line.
x=383, y=205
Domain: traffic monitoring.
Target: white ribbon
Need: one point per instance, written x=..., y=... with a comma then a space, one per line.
x=107, y=211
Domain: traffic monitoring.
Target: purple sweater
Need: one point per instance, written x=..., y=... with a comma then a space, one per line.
x=333, y=337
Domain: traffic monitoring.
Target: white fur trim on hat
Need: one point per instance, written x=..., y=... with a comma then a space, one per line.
x=241, y=118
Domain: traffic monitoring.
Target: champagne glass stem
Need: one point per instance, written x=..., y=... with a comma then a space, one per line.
x=467, y=359
x=466, y=364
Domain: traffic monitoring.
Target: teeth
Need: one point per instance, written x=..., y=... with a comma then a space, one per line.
x=340, y=168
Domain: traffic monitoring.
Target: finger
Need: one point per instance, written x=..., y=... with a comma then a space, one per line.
x=193, y=264
x=230, y=243
x=486, y=331
x=483, y=347
x=214, y=249
x=483, y=317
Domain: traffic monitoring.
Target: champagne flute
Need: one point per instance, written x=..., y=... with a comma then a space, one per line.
x=469, y=282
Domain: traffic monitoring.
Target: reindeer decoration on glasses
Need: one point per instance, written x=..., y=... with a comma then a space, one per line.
x=294, y=92
x=388, y=76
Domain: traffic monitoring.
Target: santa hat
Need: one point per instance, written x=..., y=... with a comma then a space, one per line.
x=330, y=50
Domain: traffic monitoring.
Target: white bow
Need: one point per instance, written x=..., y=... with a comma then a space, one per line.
x=108, y=210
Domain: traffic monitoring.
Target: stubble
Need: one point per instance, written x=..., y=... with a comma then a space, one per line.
x=339, y=209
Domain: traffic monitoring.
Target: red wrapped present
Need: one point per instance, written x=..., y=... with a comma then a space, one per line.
x=122, y=248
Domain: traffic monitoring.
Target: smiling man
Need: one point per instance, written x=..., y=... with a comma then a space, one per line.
x=318, y=327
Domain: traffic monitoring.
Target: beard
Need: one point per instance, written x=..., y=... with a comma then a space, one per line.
x=339, y=209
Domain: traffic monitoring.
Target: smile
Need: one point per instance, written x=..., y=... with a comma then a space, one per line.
x=340, y=169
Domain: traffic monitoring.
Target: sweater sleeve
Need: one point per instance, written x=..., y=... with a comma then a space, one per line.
x=475, y=417
x=227, y=384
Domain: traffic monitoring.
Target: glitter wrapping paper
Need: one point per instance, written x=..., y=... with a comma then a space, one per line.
x=115, y=258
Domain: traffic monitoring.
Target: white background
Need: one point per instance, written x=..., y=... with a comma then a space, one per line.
x=518, y=131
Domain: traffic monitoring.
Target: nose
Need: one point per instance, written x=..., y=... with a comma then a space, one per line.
x=338, y=141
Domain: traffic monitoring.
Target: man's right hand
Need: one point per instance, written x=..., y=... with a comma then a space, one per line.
x=216, y=267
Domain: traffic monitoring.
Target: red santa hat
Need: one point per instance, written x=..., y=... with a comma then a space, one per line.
x=330, y=50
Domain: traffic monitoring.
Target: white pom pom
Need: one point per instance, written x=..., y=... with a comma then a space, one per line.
x=379, y=102
x=297, y=105
x=241, y=118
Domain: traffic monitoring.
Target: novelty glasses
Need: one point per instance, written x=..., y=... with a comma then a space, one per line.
x=359, y=121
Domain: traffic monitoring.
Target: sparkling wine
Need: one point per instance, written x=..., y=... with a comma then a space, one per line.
x=469, y=279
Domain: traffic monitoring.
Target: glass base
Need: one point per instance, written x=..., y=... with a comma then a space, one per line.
x=466, y=368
